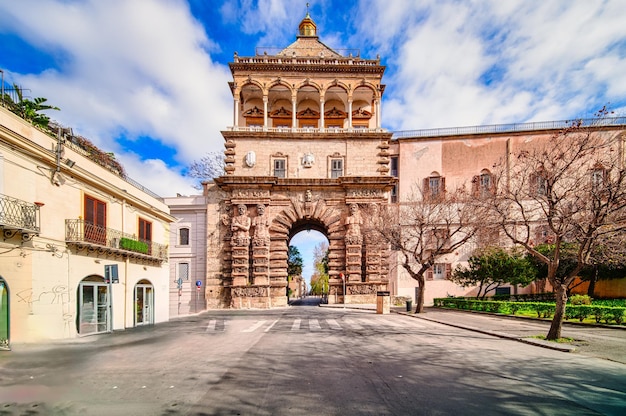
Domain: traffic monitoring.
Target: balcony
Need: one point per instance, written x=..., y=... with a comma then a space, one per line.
x=17, y=216
x=105, y=240
x=307, y=130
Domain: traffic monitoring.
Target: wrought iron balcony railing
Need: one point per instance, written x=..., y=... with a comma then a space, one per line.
x=108, y=239
x=19, y=215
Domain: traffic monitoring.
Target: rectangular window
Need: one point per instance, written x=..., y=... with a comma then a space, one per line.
x=145, y=230
x=183, y=236
x=394, y=166
x=394, y=194
x=441, y=271
x=434, y=186
x=280, y=168
x=336, y=168
x=485, y=183
x=438, y=271
x=95, y=220
x=597, y=179
x=183, y=271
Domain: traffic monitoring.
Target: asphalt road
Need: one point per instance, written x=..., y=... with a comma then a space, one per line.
x=305, y=361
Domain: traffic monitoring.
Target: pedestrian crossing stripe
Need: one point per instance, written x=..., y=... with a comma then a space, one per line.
x=299, y=324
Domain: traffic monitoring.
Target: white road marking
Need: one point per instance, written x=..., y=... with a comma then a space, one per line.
x=271, y=325
x=333, y=324
x=254, y=327
x=296, y=324
x=211, y=325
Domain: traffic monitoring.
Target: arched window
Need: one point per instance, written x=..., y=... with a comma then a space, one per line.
x=483, y=184
x=434, y=186
x=183, y=236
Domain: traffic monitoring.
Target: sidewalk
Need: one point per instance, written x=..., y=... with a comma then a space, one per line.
x=604, y=341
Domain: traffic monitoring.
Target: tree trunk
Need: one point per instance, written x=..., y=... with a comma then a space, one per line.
x=592, y=282
x=559, y=313
x=419, y=308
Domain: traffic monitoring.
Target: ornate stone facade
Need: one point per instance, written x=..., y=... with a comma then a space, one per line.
x=305, y=152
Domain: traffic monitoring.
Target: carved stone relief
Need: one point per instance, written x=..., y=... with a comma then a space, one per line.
x=240, y=227
x=353, y=226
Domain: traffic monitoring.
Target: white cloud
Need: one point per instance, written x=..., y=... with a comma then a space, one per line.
x=155, y=175
x=137, y=67
x=544, y=60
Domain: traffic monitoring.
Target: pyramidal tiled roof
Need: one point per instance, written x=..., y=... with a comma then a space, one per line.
x=308, y=46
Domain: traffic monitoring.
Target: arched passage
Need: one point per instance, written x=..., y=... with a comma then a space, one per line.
x=312, y=244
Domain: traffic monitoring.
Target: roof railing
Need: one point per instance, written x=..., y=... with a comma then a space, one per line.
x=509, y=128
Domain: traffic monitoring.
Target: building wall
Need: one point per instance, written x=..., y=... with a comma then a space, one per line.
x=190, y=213
x=459, y=159
x=43, y=273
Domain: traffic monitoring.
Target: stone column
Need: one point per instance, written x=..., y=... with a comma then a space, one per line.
x=321, y=126
x=294, y=102
x=265, y=99
x=236, y=114
x=350, y=112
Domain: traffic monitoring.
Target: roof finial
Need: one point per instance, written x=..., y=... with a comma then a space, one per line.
x=307, y=8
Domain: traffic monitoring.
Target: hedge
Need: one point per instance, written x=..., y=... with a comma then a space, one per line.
x=600, y=313
x=134, y=245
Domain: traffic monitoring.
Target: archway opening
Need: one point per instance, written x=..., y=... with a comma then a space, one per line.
x=311, y=242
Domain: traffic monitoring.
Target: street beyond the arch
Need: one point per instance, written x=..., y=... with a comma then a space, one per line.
x=303, y=360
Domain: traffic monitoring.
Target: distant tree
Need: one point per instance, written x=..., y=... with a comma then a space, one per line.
x=294, y=262
x=423, y=229
x=492, y=267
x=208, y=167
x=29, y=110
x=570, y=189
x=319, y=279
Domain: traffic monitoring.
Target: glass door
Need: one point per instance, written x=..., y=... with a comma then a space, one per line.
x=94, y=308
x=144, y=304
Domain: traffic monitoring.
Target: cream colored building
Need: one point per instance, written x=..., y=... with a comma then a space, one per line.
x=84, y=250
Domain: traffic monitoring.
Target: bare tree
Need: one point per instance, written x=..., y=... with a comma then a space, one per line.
x=207, y=167
x=569, y=189
x=423, y=230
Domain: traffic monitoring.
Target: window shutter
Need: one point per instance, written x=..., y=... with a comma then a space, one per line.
x=426, y=188
x=533, y=183
x=442, y=186
x=476, y=185
x=429, y=274
x=448, y=271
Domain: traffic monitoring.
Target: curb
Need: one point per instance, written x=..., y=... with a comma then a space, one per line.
x=530, y=341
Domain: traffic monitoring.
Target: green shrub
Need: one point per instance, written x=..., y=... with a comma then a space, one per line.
x=580, y=300
x=580, y=312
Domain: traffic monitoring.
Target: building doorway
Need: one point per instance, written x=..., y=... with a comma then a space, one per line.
x=144, y=303
x=4, y=315
x=94, y=306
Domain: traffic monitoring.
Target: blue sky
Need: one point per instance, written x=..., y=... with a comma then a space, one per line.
x=148, y=79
